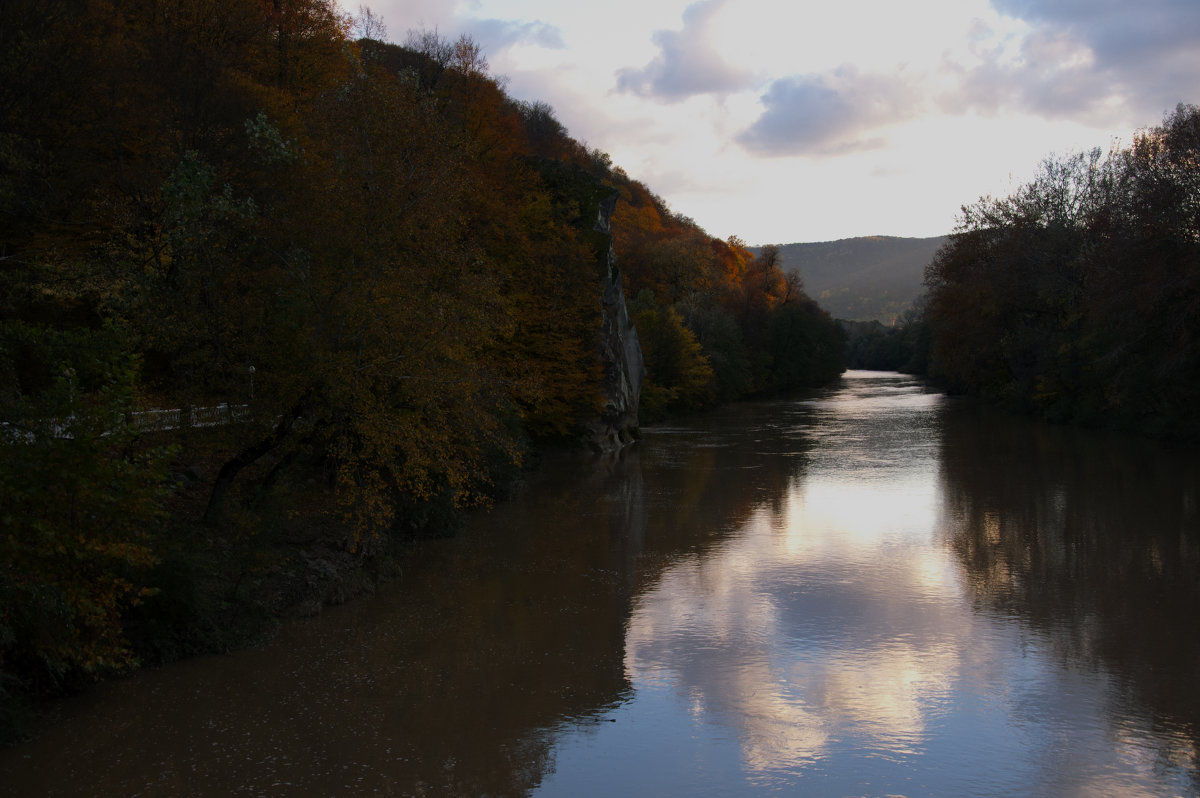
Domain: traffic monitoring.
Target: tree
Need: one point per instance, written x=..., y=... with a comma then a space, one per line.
x=720, y=339
x=552, y=260
x=806, y=346
x=81, y=499
x=1074, y=296
x=678, y=375
x=391, y=306
x=547, y=136
x=369, y=25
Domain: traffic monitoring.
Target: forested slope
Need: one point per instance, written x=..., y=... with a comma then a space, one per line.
x=389, y=267
x=1078, y=296
x=871, y=278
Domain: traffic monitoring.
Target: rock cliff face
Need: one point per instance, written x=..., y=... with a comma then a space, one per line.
x=622, y=354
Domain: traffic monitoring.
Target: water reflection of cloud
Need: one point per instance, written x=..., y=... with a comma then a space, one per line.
x=796, y=639
x=824, y=514
x=825, y=631
x=797, y=632
x=830, y=640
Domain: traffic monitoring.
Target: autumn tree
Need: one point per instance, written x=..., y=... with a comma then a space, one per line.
x=726, y=298
x=678, y=374
x=391, y=270
x=553, y=261
x=395, y=308
x=81, y=500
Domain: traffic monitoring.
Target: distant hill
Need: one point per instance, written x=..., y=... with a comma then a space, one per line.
x=863, y=279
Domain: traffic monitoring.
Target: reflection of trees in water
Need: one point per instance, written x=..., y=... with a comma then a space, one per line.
x=704, y=480
x=1091, y=538
x=527, y=628
x=517, y=627
x=444, y=684
x=618, y=522
x=454, y=679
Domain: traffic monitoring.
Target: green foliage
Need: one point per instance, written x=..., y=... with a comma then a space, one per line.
x=80, y=502
x=678, y=375
x=1076, y=297
x=806, y=346
x=903, y=347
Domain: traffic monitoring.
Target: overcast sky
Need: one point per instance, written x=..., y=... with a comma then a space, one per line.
x=794, y=121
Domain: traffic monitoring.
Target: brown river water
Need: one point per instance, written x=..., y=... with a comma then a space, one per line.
x=873, y=591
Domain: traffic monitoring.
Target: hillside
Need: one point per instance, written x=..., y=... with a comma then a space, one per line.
x=399, y=284
x=861, y=279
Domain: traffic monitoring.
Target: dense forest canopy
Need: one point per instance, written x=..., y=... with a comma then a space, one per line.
x=1078, y=296
x=384, y=268
x=872, y=278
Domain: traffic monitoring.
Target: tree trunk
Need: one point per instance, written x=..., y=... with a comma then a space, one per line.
x=247, y=456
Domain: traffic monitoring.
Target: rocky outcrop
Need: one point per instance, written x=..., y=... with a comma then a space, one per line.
x=619, y=348
x=587, y=203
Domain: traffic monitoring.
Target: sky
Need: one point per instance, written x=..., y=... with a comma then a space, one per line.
x=783, y=122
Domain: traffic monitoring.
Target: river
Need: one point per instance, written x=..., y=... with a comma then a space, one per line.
x=872, y=591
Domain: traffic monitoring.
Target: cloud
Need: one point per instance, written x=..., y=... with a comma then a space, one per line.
x=1095, y=61
x=493, y=35
x=497, y=35
x=400, y=16
x=688, y=62
x=829, y=114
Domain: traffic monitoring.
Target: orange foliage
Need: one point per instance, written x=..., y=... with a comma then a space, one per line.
x=405, y=256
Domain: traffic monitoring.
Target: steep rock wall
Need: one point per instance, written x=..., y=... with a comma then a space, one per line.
x=587, y=203
x=620, y=350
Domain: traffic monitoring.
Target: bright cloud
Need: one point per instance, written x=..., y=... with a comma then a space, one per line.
x=1101, y=62
x=833, y=114
x=497, y=35
x=799, y=120
x=688, y=63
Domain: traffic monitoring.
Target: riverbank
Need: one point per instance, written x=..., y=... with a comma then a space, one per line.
x=218, y=589
x=276, y=555
x=856, y=591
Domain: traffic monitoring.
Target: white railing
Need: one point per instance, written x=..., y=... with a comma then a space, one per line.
x=215, y=416
x=146, y=421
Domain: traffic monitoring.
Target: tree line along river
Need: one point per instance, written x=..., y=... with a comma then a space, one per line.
x=874, y=590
